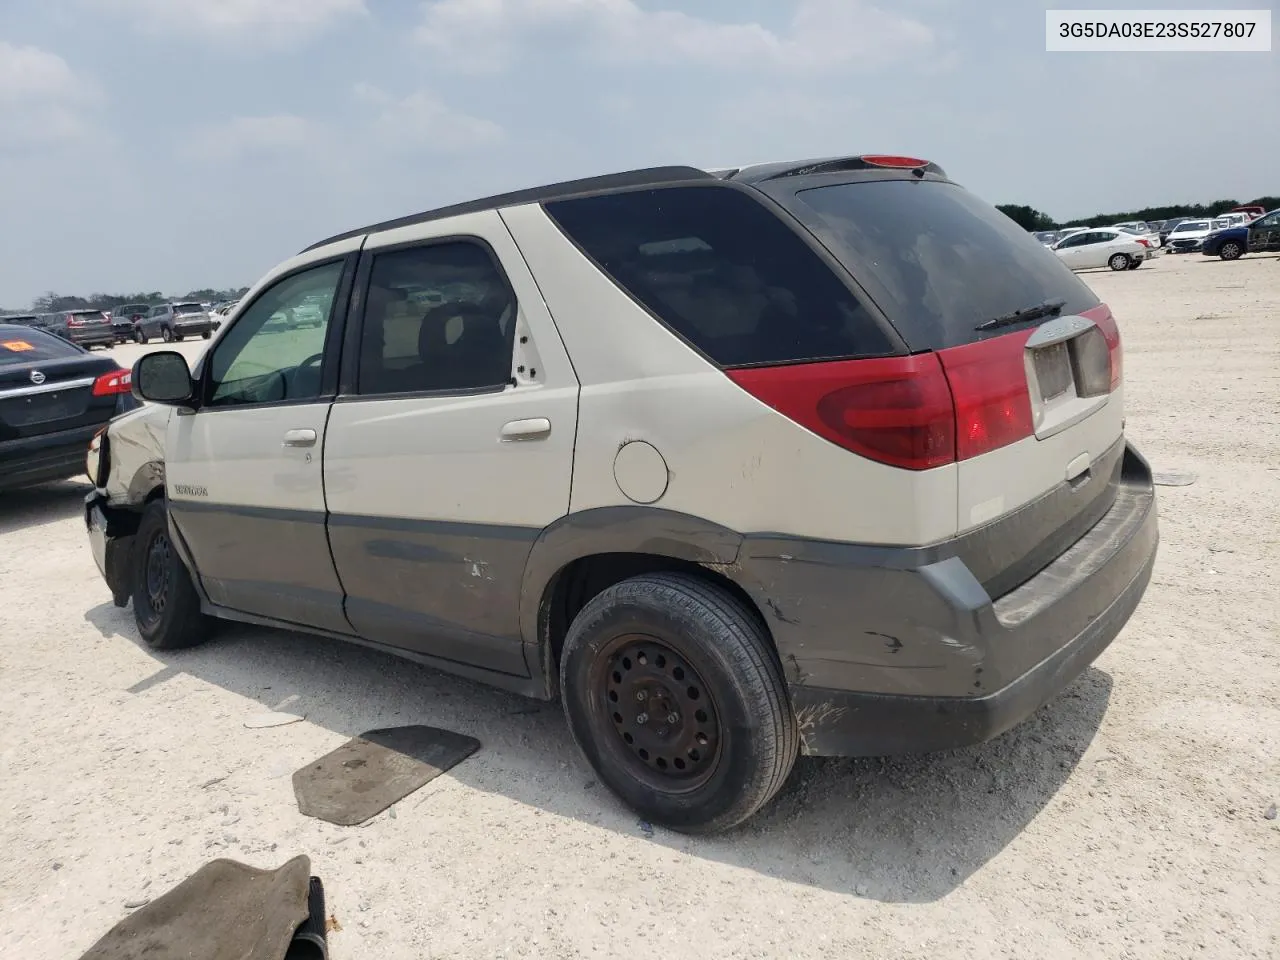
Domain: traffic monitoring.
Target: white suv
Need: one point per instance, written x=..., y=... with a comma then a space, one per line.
x=822, y=457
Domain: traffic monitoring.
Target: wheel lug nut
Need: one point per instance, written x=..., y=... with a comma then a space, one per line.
x=642, y=718
x=673, y=718
x=641, y=696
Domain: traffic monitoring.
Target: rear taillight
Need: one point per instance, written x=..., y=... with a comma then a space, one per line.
x=1106, y=322
x=1145, y=243
x=109, y=384
x=925, y=410
x=896, y=410
x=74, y=322
x=989, y=388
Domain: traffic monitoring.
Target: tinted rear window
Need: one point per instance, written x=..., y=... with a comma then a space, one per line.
x=724, y=272
x=188, y=308
x=938, y=260
x=33, y=346
x=89, y=315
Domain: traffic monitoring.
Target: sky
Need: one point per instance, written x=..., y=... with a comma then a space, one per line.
x=179, y=144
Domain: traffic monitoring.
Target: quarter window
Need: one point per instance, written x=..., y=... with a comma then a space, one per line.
x=274, y=351
x=724, y=272
x=439, y=317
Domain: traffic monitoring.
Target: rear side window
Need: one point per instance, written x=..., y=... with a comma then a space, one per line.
x=938, y=260
x=33, y=346
x=437, y=317
x=723, y=272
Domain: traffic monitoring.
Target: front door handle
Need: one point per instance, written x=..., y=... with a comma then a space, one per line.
x=536, y=429
x=300, y=438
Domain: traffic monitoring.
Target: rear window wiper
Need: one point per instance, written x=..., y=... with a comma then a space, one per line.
x=1050, y=308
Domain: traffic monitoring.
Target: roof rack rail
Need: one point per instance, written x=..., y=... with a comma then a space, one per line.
x=654, y=176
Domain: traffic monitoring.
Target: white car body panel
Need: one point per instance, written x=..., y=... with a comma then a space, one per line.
x=1090, y=256
x=443, y=457
x=737, y=463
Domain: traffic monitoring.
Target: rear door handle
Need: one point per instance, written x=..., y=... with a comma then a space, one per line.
x=537, y=428
x=300, y=438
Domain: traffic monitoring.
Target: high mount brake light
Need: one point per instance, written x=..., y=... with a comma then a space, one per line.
x=902, y=163
x=919, y=411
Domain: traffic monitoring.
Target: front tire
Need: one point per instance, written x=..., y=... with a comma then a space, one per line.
x=139, y=336
x=165, y=605
x=205, y=336
x=674, y=695
x=1119, y=261
x=1231, y=250
x=166, y=335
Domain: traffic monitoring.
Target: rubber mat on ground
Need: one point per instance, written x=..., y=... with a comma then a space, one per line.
x=226, y=911
x=369, y=773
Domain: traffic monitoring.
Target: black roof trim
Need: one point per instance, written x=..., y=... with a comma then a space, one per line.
x=650, y=176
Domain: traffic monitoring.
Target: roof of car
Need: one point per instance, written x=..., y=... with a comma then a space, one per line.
x=631, y=179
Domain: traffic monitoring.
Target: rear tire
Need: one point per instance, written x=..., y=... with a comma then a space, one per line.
x=674, y=695
x=205, y=336
x=1135, y=264
x=1119, y=261
x=165, y=604
x=1231, y=251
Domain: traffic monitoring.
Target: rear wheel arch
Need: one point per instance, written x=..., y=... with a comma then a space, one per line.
x=583, y=554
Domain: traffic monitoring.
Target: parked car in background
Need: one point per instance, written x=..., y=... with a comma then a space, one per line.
x=173, y=322
x=1252, y=211
x=1144, y=231
x=54, y=399
x=1112, y=248
x=88, y=328
x=25, y=319
x=221, y=311
x=1189, y=235
x=1258, y=236
x=1047, y=237
x=1071, y=231
x=553, y=481
x=125, y=316
x=1231, y=220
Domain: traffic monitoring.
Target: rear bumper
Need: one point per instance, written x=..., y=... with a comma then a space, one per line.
x=44, y=458
x=97, y=338
x=193, y=329
x=905, y=651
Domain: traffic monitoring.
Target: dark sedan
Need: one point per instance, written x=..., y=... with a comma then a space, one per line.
x=54, y=396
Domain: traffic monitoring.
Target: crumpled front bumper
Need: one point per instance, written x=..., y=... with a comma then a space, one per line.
x=111, y=535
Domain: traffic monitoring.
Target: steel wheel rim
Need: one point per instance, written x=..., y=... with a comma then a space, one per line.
x=157, y=576
x=663, y=723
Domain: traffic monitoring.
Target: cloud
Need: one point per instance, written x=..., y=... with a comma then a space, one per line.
x=421, y=121
x=280, y=19
x=249, y=137
x=41, y=99
x=485, y=35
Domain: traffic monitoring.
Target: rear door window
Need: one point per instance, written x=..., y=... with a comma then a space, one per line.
x=938, y=260
x=724, y=272
x=33, y=346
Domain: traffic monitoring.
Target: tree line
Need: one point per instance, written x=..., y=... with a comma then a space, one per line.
x=53, y=302
x=1029, y=218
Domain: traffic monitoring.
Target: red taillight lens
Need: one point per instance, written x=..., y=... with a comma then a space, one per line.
x=1145, y=243
x=117, y=381
x=896, y=410
x=989, y=386
x=74, y=322
x=1102, y=316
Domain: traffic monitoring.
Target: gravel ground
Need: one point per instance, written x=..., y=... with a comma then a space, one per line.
x=1126, y=819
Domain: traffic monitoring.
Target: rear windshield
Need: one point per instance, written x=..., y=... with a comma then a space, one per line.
x=87, y=314
x=1189, y=225
x=724, y=272
x=188, y=308
x=938, y=260
x=33, y=346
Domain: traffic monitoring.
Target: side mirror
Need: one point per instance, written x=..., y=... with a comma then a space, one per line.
x=163, y=377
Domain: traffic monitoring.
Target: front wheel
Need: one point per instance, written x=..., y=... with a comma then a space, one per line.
x=672, y=692
x=166, y=335
x=1231, y=250
x=165, y=605
x=1119, y=261
x=139, y=336
x=205, y=336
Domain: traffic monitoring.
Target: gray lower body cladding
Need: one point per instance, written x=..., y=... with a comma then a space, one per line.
x=890, y=651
